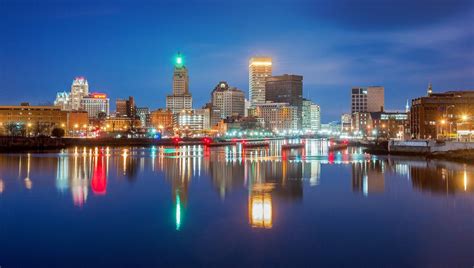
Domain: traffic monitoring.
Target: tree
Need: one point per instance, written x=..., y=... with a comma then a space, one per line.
x=15, y=129
x=58, y=132
x=102, y=116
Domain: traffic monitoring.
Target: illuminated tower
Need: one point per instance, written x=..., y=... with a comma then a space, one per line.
x=180, y=99
x=430, y=89
x=180, y=77
x=79, y=89
x=259, y=69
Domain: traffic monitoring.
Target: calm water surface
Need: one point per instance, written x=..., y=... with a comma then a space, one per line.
x=226, y=206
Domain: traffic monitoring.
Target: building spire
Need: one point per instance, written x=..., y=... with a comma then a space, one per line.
x=407, y=107
x=430, y=89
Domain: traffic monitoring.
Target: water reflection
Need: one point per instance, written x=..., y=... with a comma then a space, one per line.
x=368, y=177
x=260, y=206
x=442, y=179
x=99, y=178
x=266, y=174
x=77, y=172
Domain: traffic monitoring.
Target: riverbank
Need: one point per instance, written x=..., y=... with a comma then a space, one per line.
x=459, y=156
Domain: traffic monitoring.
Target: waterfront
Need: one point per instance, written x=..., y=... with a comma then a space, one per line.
x=226, y=206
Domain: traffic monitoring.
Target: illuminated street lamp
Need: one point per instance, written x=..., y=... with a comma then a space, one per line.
x=27, y=129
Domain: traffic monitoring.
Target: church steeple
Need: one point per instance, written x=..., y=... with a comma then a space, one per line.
x=430, y=89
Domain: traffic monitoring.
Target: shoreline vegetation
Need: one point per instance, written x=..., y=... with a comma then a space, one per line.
x=10, y=144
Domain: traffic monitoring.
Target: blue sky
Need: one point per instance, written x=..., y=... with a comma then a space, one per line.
x=127, y=47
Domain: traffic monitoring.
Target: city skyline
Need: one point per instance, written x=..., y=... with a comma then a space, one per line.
x=127, y=49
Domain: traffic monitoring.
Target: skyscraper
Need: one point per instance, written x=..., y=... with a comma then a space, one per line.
x=180, y=77
x=229, y=100
x=286, y=88
x=315, y=117
x=79, y=89
x=120, y=107
x=181, y=99
x=259, y=69
x=367, y=99
x=126, y=107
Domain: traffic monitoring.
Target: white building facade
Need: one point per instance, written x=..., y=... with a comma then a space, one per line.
x=79, y=89
x=96, y=103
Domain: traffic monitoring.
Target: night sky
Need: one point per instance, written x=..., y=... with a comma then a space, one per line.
x=127, y=47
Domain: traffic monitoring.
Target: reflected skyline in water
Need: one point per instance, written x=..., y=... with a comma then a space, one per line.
x=83, y=171
x=198, y=198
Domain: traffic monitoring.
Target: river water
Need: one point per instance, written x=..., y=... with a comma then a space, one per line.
x=229, y=206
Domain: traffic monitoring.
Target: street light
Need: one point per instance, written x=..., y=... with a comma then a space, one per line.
x=464, y=117
x=27, y=129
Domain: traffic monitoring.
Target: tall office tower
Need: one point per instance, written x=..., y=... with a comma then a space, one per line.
x=306, y=115
x=367, y=99
x=181, y=99
x=95, y=103
x=229, y=100
x=315, y=117
x=259, y=69
x=126, y=107
x=131, y=107
x=286, y=88
x=310, y=116
x=121, y=107
x=180, y=77
x=79, y=89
